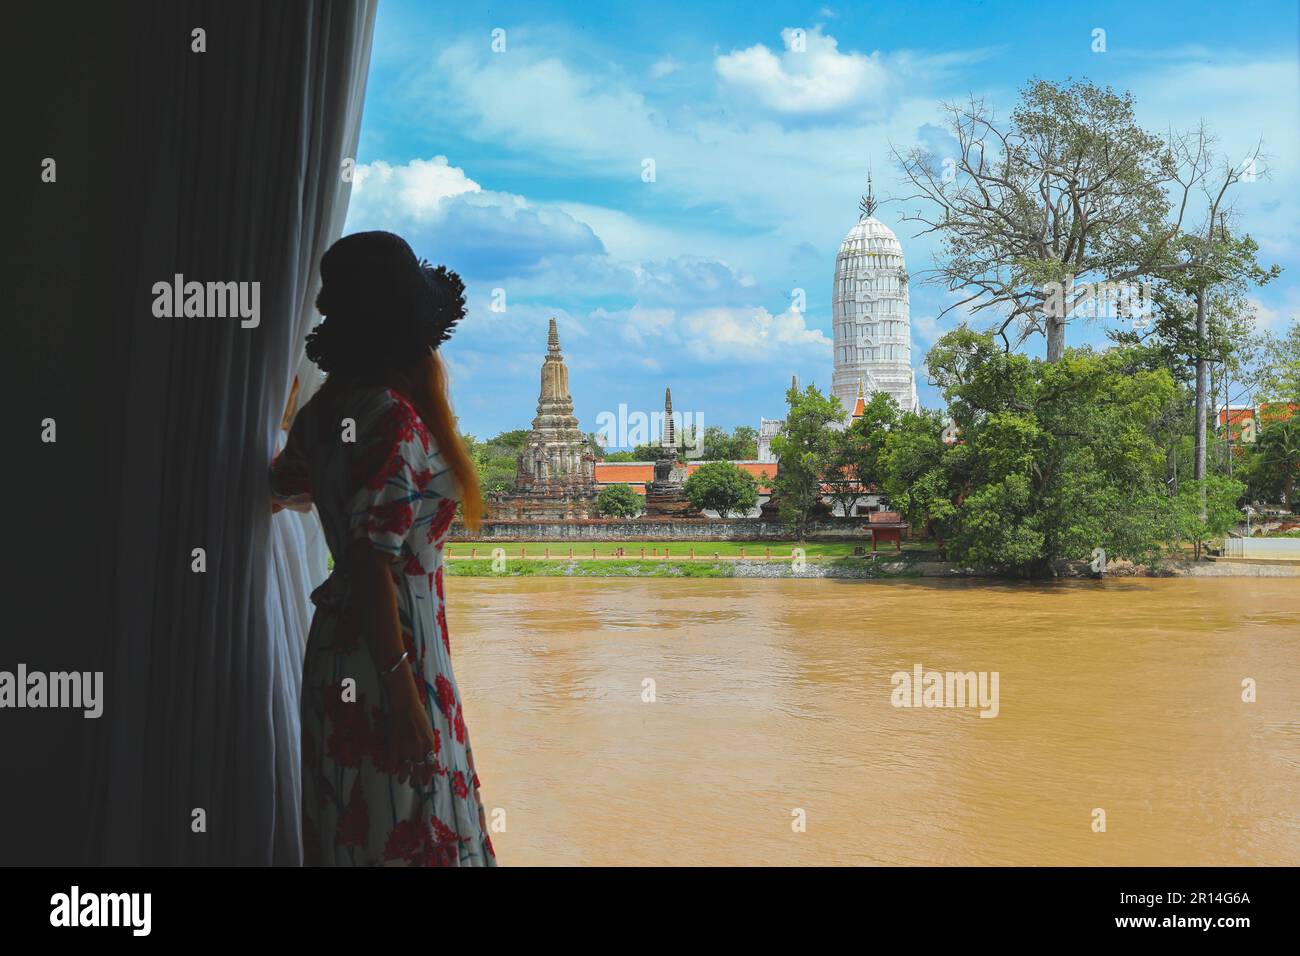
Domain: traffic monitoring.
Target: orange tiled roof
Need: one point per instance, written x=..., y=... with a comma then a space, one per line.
x=613, y=472
x=1277, y=411
x=1235, y=415
x=636, y=473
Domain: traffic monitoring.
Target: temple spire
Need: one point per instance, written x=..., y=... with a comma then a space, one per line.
x=669, y=439
x=867, y=204
x=553, y=338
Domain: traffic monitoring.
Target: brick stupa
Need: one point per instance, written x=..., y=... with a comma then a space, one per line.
x=665, y=497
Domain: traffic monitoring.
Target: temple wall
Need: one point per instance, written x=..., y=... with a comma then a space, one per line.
x=655, y=529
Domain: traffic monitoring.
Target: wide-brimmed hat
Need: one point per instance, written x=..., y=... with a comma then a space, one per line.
x=384, y=308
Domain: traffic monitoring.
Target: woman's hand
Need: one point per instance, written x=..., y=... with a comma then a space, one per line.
x=294, y=503
x=374, y=597
x=410, y=735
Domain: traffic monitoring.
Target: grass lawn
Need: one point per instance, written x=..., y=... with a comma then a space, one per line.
x=614, y=568
x=813, y=550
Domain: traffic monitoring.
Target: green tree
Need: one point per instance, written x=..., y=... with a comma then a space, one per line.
x=804, y=450
x=1276, y=463
x=722, y=487
x=1070, y=190
x=618, y=501
x=1057, y=458
x=1200, y=264
x=1279, y=379
x=1207, y=343
x=740, y=445
x=855, y=463
x=497, y=459
x=1196, y=522
x=917, y=468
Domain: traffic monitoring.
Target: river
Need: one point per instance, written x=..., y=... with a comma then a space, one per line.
x=772, y=704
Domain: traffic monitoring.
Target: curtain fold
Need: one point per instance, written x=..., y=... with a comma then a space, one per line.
x=238, y=152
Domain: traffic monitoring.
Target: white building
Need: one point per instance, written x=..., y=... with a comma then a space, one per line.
x=870, y=314
x=768, y=428
x=872, y=323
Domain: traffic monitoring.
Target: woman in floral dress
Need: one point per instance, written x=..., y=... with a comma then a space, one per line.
x=388, y=774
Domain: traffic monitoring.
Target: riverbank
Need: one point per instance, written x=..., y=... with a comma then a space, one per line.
x=815, y=567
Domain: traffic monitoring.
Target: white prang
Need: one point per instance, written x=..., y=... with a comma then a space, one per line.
x=869, y=311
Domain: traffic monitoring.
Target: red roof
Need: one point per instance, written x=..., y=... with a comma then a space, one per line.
x=1277, y=411
x=641, y=473
x=1235, y=415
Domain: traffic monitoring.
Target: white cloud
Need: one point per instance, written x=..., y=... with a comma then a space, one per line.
x=810, y=76
x=724, y=184
x=1277, y=319
x=629, y=237
x=414, y=190
x=663, y=67
x=448, y=217
x=718, y=335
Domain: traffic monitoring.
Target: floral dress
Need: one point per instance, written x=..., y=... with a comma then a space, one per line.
x=390, y=486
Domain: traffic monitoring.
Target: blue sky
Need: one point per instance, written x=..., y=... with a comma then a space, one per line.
x=522, y=169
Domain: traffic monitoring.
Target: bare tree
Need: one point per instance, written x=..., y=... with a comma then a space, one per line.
x=1033, y=213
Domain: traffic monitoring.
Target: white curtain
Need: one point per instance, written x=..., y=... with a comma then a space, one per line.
x=240, y=151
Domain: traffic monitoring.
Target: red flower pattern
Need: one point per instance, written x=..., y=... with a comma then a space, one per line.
x=443, y=844
x=405, y=841
x=349, y=739
x=446, y=696
x=354, y=811
x=442, y=627
x=442, y=519
x=391, y=517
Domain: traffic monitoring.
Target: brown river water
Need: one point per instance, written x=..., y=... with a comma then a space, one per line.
x=773, y=698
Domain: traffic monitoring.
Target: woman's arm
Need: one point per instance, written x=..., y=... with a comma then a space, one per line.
x=290, y=474
x=374, y=597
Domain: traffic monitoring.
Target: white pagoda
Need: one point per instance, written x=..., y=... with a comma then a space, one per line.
x=870, y=316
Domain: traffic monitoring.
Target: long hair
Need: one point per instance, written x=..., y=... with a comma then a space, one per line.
x=386, y=312
x=429, y=395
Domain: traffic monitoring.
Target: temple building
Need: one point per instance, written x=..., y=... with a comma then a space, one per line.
x=555, y=477
x=870, y=314
x=665, y=497
x=871, y=322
